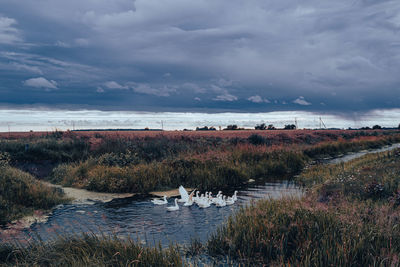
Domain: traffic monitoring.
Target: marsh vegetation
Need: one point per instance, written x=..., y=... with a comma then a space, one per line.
x=348, y=217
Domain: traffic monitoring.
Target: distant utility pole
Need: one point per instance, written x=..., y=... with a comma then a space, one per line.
x=9, y=132
x=321, y=123
x=295, y=123
x=162, y=125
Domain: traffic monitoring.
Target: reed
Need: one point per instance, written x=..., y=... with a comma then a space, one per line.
x=300, y=233
x=88, y=250
x=219, y=165
x=349, y=218
x=205, y=174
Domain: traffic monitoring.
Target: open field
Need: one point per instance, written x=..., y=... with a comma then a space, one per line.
x=177, y=134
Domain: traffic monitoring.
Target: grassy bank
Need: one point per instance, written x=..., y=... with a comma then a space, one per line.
x=21, y=194
x=222, y=164
x=225, y=172
x=88, y=250
x=349, y=218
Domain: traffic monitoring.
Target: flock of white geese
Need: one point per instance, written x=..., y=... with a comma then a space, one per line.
x=203, y=201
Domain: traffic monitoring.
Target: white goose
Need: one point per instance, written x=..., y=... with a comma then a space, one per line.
x=204, y=203
x=216, y=199
x=184, y=194
x=234, y=197
x=221, y=202
x=230, y=201
x=159, y=201
x=196, y=198
x=190, y=200
x=174, y=208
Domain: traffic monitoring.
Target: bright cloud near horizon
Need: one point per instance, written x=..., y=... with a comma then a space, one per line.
x=227, y=55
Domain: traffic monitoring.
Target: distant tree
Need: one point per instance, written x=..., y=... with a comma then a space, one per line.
x=271, y=127
x=205, y=128
x=398, y=126
x=365, y=128
x=261, y=126
x=231, y=127
x=376, y=127
x=290, y=127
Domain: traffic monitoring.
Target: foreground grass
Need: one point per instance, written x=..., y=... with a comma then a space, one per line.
x=88, y=250
x=21, y=194
x=349, y=218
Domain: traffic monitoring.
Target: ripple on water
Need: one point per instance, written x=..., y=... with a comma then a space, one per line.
x=139, y=218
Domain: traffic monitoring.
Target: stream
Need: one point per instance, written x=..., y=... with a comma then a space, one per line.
x=152, y=224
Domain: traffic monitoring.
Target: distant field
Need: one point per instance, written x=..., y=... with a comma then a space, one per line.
x=221, y=134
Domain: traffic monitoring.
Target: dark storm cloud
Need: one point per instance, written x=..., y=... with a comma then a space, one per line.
x=216, y=55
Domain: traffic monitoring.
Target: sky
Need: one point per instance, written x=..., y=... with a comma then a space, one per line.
x=340, y=57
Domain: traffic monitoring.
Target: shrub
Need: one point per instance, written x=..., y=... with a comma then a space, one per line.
x=4, y=159
x=256, y=139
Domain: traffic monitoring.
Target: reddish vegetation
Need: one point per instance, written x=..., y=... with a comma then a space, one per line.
x=292, y=134
x=275, y=137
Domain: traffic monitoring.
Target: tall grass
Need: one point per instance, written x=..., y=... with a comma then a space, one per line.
x=88, y=250
x=374, y=176
x=51, y=149
x=294, y=232
x=21, y=194
x=204, y=174
x=349, y=218
x=218, y=165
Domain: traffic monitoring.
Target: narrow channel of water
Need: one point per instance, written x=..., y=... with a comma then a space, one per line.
x=139, y=218
x=354, y=155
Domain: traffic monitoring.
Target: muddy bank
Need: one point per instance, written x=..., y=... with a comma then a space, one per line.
x=83, y=196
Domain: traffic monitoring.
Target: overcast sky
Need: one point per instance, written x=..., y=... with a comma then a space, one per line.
x=204, y=55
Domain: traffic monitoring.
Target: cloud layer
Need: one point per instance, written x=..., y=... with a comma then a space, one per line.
x=41, y=82
x=209, y=55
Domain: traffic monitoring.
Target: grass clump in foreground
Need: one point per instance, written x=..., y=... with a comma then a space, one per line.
x=350, y=217
x=88, y=250
x=21, y=194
